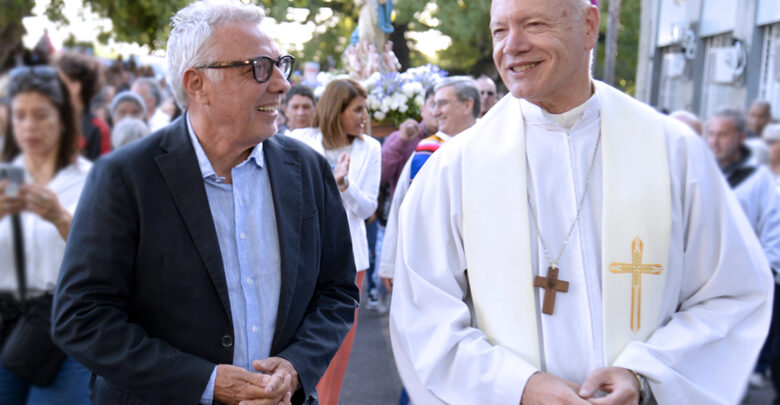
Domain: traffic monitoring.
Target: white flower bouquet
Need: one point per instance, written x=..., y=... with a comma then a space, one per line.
x=392, y=97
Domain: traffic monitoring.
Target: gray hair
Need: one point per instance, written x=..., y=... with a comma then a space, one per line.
x=735, y=115
x=152, y=86
x=128, y=130
x=762, y=104
x=190, y=43
x=465, y=88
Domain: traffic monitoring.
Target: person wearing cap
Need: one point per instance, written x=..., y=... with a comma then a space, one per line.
x=127, y=104
x=574, y=246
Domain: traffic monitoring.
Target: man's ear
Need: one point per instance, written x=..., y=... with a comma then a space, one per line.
x=592, y=21
x=469, y=104
x=194, y=86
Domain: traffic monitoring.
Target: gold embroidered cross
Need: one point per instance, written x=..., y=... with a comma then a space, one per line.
x=636, y=268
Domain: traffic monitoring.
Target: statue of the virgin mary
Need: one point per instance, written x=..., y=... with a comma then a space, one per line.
x=364, y=55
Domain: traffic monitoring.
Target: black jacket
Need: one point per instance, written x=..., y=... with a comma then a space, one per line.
x=142, y=299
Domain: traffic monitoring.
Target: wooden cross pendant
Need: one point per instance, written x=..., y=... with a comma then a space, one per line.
x=551, y=286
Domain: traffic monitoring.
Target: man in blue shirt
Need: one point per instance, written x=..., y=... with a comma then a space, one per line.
x=210, y=261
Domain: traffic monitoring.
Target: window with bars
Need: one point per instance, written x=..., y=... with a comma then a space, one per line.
x=716, y=95
x=675, y=91
x=769, y=88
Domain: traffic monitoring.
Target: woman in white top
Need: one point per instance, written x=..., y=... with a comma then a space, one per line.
x=43, y=141
x=356, y=162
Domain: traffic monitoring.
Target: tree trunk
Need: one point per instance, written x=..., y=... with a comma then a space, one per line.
x=10, y=39
x=610, y=49
x=11, y=28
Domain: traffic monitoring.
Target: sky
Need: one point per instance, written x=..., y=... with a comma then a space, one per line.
x=86, y=25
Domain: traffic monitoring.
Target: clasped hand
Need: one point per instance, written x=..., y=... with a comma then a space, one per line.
x=620, y=385
x=274, y=385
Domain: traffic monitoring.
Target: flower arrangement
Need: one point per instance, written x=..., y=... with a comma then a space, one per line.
x=392, y=97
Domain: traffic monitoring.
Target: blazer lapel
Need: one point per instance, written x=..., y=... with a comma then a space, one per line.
x=284, y=173
x=179, y=168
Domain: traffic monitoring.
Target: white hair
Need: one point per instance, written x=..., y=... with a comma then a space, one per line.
x=128, y=130
x=190, y=42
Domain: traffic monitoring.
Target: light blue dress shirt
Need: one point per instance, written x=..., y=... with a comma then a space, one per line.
x=243, y=214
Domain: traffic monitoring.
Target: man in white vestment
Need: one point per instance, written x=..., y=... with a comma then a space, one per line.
x=573, y=246
x=457, y=107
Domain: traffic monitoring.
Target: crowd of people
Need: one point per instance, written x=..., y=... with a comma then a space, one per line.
x=206, y=237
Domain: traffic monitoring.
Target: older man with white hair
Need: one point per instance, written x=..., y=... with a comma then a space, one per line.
x=574, y=246
x=210, y=261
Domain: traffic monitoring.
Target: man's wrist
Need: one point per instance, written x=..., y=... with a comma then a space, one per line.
x=645, y=394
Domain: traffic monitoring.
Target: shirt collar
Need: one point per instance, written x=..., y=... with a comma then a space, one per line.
x=585, y=112
x=444, y=137
x=206, y=169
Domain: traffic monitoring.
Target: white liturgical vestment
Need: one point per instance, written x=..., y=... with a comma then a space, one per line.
x=701, y=327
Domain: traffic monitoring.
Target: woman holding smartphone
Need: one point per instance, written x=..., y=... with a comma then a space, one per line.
x=356, y=161
x=35, y=219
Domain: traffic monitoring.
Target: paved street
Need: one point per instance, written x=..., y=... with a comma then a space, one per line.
x=760, y=396
x=371, y=375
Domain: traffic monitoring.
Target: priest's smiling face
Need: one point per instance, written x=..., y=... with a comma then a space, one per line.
x=542, y=49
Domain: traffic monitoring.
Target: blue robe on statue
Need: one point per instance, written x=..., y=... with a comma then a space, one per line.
x=383, y=14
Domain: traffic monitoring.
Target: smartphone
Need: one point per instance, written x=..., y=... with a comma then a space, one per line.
x=14, y=174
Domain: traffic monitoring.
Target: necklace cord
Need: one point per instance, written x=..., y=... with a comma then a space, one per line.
x=535, y=220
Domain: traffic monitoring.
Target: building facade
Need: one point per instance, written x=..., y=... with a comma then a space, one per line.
x=701, y=55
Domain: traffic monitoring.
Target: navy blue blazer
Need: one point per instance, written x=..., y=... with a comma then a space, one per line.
x=142, y=299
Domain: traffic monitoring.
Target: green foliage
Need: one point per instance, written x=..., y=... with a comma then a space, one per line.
x=14, y=11
x=628, y=44
x=143, y=21
x=332, y=35
x=11, y=28
x=467, y=23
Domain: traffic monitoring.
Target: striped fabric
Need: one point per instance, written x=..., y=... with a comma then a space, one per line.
x=424, y=150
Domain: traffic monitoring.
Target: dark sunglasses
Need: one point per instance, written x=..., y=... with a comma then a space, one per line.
x=40, y=71
x=263, y=66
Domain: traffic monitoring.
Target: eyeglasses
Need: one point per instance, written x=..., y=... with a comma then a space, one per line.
x=443, y=103
x=263, y=66
x=41, y=71
x=487, y=93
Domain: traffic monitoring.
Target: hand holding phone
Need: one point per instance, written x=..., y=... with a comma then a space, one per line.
x=11, y=179
x=15, y=178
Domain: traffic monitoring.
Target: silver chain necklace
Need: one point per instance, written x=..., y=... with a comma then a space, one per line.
x=532, y=208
